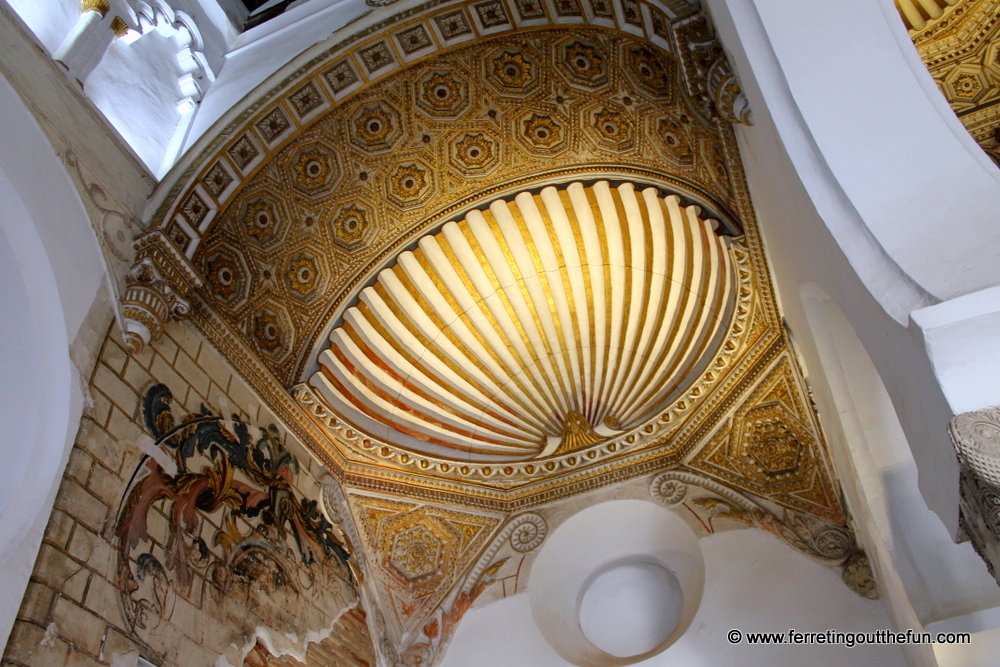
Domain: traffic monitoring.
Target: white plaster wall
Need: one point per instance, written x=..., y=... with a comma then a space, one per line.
x=50, y=20
x=961, y=336
x=220, y=23
x=135, y=87
x=924, y=575
x=822, y=160
x=753, y=583
x=814, y=233
x=918, y=180
x=52, y=272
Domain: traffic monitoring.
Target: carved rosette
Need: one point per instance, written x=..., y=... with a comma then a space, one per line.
x=156, y=290
x=976, y=436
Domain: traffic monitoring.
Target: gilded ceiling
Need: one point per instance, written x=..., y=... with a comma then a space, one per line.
x=485, y=257
x=371, y=174
x=959, y=41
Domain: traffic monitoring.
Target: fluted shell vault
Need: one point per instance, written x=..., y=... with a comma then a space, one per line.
x=537, y=325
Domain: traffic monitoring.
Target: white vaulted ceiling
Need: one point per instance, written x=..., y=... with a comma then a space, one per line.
x=534, y=326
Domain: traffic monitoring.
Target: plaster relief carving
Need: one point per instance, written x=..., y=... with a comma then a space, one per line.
x=365, y=188
x=825, y=542
x=976, y=436
x=157, y=287
x=707, y=71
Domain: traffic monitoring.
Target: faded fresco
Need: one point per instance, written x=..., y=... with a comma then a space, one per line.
x=232, y=529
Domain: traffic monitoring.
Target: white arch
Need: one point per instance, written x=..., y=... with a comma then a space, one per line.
x=878, y=144
x=51, y=272
x=923, y=575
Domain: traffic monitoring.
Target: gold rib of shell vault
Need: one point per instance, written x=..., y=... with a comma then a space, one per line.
x=534, y=328
x=916, y=14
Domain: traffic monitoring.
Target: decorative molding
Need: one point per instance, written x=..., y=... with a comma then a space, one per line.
x=828, y=543
x=523, y=533
x=417, y=555
x=114, y=228
x=568, y=353
x=155, y=290
x=920, y=14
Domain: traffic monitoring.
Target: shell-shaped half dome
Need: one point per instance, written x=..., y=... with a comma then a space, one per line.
x=535, y=326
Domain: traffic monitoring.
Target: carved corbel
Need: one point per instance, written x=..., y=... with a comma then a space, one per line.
x=707, y=72
x=976, y=436
x=156, y=290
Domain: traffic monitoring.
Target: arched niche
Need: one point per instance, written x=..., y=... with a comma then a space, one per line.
x=640, y=543
x=923, y=575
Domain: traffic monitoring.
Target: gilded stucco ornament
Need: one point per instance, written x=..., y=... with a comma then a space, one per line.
x=828, y=543
x=582, y=332
x=707, y=71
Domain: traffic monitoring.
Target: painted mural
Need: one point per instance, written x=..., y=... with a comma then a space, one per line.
x=212, y=515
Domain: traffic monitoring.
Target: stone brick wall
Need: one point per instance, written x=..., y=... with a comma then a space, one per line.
x=182, y=566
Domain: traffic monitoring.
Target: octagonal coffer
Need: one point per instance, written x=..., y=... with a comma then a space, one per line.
x=534, y=327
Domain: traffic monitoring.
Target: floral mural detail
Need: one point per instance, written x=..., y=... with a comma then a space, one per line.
x=440, y=629
x=213, y=503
